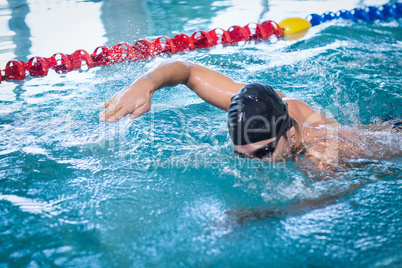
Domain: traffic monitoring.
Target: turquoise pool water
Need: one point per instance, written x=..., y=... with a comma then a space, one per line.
x=164, y=190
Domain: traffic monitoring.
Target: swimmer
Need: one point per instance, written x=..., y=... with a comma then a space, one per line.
x=262, y=122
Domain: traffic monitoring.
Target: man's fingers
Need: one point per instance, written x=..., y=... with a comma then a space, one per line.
x=118, y=107
x=109, y=112
x=106, y=104
x=102, y=116
x=118, y=115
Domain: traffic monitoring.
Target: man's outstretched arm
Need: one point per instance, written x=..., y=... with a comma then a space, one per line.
x=213, y=87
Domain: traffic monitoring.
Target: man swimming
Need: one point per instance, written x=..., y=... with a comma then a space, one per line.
x=263, y=123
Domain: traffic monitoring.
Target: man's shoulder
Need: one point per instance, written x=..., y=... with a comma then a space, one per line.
x=307, y=115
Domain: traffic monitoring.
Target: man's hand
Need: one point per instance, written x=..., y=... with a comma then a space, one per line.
x=134, y=100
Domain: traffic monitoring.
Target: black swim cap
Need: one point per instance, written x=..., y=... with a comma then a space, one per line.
x=257, y=113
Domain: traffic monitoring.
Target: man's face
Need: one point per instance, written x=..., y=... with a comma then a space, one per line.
x=265, y=150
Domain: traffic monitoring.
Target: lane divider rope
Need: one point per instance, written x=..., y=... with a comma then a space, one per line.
x=367, y=14
x=144, y=49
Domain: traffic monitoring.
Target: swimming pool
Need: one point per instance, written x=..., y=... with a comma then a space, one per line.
x=162, y=190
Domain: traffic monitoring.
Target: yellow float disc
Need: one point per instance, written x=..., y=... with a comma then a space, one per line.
x=294, y=25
